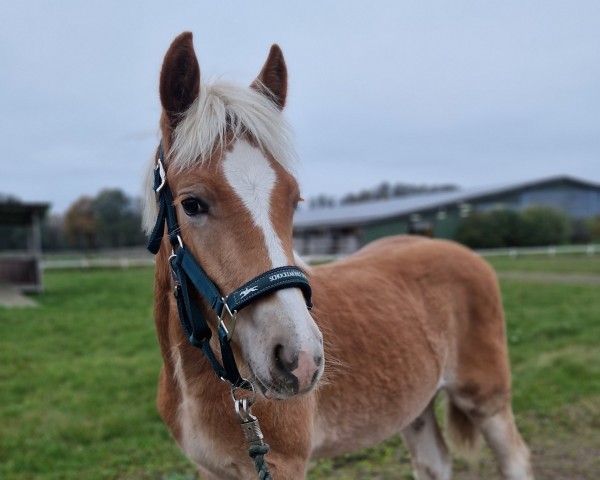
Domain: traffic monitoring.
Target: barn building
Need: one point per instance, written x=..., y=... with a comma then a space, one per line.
x=20, y=263
x=343, y=229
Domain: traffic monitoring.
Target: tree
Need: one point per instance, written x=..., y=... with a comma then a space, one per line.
x=53, y=233
x=9, y=198
x=321, y=201
x=386, y=191
x=110, y=220
x=119, y=219
x=80, y=224
x=383, y=191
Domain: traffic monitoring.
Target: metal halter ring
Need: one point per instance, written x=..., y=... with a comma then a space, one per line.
x=232, y=315
x=244, y=403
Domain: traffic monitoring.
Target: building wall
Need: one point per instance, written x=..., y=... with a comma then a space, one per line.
x=503, y=202
x=576, y=201
x=327, y=241
x=446, y=223
x=383, y=229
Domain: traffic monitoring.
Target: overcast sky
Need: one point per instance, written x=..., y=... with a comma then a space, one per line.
x=427, y=92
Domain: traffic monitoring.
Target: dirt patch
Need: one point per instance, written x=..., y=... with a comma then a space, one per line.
x=11, y=296
x=564, y=445
x=574, y=458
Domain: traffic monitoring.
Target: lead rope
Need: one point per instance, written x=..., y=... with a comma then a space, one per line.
x=251, y=428
x=257, y=452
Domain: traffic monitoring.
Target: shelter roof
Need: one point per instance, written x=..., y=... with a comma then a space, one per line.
x=16, y=213
x=362, y=213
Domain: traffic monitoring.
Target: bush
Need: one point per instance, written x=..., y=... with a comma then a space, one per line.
x=534, y=226
x=593, y=226
x=543, y=226
x=496, y=229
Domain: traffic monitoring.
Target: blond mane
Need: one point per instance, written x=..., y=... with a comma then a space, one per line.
x=224, y=109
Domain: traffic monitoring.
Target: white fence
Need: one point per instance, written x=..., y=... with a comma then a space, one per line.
x=120, y=258
x=550, y=251
x=139, y=257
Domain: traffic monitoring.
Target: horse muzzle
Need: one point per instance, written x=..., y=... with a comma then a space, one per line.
x=291, y=374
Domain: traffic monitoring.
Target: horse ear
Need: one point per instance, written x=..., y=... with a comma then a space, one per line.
x=273, y=77
x=179, y=78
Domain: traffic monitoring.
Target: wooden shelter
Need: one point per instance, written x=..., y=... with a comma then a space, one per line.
x=21, y=266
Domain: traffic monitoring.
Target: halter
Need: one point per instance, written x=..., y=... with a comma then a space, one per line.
x=188, y=274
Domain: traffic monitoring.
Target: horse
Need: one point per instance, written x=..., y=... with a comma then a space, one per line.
x=392, y=326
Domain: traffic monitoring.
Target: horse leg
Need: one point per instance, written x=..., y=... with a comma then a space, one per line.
x=430, y=456
x=502, y=436
x=495, y=420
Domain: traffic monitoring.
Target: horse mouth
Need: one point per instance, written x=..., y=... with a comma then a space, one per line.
x=271, y=391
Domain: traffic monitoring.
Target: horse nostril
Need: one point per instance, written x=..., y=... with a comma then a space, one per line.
x=283, y=360
x=295, y=370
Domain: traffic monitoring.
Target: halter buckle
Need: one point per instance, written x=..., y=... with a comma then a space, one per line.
x=232, y=316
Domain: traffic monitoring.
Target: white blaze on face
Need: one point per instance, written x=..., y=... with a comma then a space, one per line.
x=252, y=178
x=284, y=320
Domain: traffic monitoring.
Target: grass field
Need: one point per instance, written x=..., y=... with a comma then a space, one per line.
x=78, y=380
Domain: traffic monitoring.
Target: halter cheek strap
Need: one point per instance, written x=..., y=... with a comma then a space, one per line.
x=190, y=276
x=166, y=210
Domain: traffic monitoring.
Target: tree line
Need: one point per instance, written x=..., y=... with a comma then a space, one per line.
x=111, y=219
x=384, y=191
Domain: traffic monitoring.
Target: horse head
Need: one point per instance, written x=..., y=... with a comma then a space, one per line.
x=228, y=160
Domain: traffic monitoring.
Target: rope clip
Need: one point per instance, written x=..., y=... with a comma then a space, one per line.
x=248, y=422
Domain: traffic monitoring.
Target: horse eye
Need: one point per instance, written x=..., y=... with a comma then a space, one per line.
x=194, y=206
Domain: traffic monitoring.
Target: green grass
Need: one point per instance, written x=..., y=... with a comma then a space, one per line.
x=554, y=339
x=78, y=380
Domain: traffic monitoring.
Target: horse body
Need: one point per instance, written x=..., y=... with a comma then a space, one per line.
x=400, y=320
x=387, y=352
x=413, y=325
